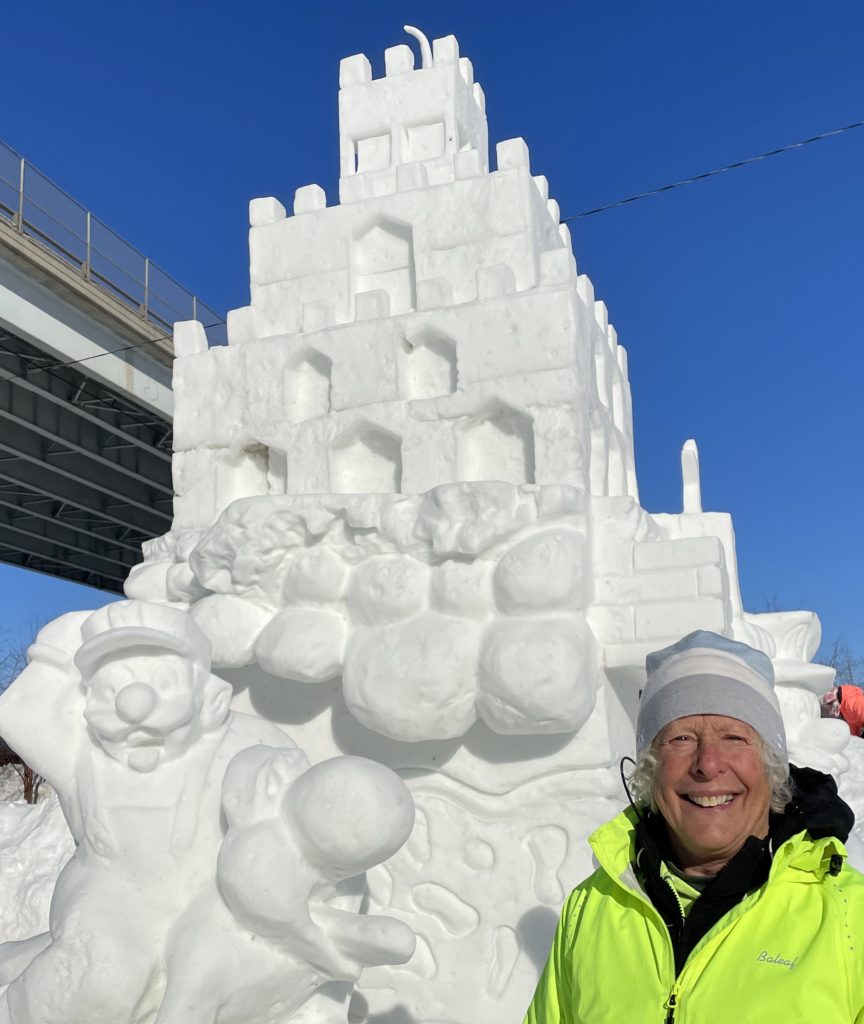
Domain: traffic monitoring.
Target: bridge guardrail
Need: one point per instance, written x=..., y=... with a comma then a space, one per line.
x=39, y=209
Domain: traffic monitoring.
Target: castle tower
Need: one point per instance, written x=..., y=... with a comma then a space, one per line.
x=430, y=328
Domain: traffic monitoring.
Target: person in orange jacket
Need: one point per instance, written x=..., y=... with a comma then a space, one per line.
x=846, y=702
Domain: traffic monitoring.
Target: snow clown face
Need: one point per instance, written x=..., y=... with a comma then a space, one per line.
x=148, y=690
x=148, y=706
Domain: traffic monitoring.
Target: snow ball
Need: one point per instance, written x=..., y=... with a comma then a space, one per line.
x=350, y=813
x=538, y=675
x=545, y=571
x=317, y=574
x=416, y=680
x=463, y=589
x=232, y=625
x=304, y=644
x=388, y=588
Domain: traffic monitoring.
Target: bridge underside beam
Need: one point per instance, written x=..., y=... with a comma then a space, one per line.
x=12, y=554
x=92, y=402
x=85, y=473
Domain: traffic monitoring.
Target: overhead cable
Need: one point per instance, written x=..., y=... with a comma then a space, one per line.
x=564, y=220
x=710, y=174
x=47, y=367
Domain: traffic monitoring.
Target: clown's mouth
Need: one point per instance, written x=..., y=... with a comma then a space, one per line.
x=145, y=741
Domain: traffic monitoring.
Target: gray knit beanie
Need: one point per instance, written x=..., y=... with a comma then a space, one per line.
x=709, y=674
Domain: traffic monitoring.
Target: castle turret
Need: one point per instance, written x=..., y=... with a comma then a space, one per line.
x=422, y=118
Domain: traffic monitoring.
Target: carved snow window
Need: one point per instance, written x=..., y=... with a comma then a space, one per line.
x=497, y=446
x=383, y=260
x=307, y=387
x=426, y=141
x=366, y=460
x=373, y=154
x=427, y=366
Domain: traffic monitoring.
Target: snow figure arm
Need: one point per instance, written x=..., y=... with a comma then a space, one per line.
x=269, y=937
x=41, y=713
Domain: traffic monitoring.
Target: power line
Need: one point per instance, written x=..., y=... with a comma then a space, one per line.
x=710, y=174
x=96, y=355
x=564, y=220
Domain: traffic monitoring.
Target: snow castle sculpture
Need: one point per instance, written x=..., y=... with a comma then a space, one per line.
x=407, y=520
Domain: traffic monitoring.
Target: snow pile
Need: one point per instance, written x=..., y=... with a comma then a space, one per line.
x=34, y=845
x=10, y=784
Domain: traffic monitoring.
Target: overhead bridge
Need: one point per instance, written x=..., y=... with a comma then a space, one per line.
x=85, y=378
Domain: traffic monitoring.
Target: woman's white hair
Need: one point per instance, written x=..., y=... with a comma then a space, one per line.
x=642, y=782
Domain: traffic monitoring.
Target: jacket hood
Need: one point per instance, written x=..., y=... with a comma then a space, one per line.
x=815, y=806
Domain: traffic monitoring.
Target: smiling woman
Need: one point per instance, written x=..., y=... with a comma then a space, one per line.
x=664, y=782
x=728, y=864
x=711, y=790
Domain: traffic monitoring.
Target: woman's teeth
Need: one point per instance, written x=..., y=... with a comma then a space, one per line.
x=710, y=801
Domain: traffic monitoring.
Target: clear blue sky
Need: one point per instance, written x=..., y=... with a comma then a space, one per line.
x=738, y=299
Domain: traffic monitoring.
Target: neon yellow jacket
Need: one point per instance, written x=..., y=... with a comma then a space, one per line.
x=791, y=952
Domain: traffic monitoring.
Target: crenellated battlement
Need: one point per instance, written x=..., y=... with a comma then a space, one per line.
x=417, y=197
x=412, y=116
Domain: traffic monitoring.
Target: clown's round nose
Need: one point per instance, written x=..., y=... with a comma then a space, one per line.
x=135, y=702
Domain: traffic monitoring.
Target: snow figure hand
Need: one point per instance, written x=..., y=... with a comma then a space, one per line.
x=258, y=947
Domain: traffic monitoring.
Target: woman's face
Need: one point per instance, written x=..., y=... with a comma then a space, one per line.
x=711, y=789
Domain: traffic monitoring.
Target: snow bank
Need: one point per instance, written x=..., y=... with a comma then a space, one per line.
x=34, y=845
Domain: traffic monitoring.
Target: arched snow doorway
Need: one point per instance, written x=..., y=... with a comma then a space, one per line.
x=383, y=260
x=427, y=366
x=366, y=460
x=497, y=445
x=307, y=387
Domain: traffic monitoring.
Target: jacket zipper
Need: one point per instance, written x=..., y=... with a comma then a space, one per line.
x=681, y=923
x=671, y=1003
